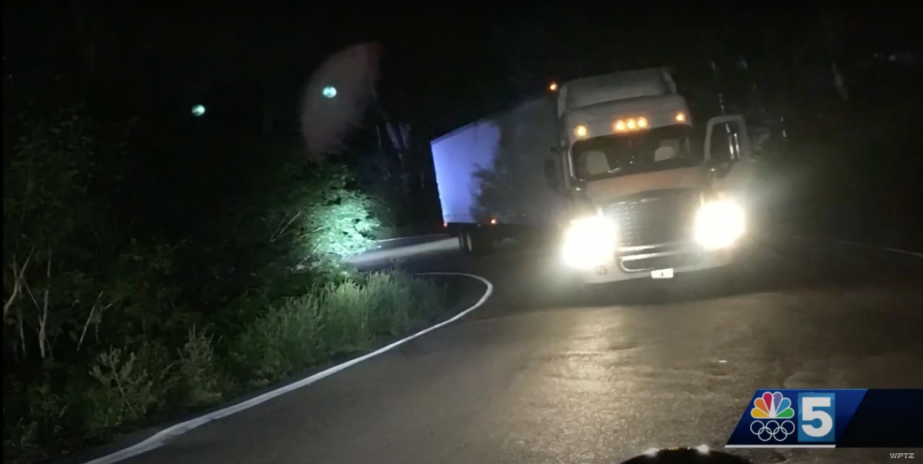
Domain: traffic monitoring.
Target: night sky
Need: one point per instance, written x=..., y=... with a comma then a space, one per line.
x=443, y=65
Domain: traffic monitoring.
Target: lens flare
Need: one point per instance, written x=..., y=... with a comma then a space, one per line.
x=719, y=224
x=589, y=242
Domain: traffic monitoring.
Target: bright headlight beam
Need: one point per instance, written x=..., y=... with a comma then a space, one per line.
x=719, y=224
x=589, y=242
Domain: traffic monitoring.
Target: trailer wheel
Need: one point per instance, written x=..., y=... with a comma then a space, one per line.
x=461, y=241
x=473, y=241
x=482, y=242
x=464, y=241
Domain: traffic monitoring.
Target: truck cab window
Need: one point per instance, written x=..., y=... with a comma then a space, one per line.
x=596, y=162
x=668, y=149
x=644, y=151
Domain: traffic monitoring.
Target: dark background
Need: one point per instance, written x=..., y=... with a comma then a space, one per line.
x=443, y=65
x=446, y=65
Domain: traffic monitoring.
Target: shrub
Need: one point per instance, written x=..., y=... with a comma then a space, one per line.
x=338, y=318
x=200, y=378
x=282, y=340
x=125, y=391
x=102, y=283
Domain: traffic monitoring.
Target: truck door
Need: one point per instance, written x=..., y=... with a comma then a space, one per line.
x=729, y=155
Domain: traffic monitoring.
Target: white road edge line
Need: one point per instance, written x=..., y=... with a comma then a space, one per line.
x=881, y=248
x=915, y=254
x=161, y=437
x=410, y=237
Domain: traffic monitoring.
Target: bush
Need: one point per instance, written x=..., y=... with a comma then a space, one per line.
x=337, y=319
x=101, y=288
x=125, y=392
x=276, y=344
x=340, y=224
x=200, y=376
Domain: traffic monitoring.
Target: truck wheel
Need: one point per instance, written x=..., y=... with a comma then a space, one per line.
x=479, y=242
x=464, y=242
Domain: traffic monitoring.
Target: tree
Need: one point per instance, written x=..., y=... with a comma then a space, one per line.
x=94, y=24
x=834, y=53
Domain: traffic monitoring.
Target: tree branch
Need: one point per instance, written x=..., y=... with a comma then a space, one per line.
x=43, y=320
x=281, y=232
x=22, y=333
x=17, y=281
x=89, y=318
x=122, y=391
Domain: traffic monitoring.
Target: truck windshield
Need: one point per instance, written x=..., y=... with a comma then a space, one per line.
x=622, y=154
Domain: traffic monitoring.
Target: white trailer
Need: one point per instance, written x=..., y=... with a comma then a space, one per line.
x=491, y=179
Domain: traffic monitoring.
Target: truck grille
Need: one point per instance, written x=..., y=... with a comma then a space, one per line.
x=652, y=218
x=661, y=262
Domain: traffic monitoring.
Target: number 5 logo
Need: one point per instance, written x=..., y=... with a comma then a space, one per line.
x=816, y=418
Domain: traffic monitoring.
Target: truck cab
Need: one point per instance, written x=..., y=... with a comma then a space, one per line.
x=646, y=199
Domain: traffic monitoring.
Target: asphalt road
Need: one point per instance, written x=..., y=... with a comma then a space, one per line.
x=546, y=374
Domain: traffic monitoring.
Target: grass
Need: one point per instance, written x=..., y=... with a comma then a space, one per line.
x=336, y=319
x=129, y=388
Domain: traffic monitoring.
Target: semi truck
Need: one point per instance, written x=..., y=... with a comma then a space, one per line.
x=614, y=165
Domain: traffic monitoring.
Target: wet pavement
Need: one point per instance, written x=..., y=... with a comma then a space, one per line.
x=547, y=372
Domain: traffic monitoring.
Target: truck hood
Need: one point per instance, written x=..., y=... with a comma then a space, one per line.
x=606, y=190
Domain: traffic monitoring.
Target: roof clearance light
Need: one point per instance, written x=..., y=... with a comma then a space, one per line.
x=581, y=131
x=631, y=124
x=680, y=117
x=619, y=125
x=642, y=122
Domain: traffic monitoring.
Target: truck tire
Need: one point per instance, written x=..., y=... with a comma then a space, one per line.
x=482, y=242
x=464, y=242
x=475, y=242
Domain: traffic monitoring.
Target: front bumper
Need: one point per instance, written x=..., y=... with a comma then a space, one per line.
x=638, y=262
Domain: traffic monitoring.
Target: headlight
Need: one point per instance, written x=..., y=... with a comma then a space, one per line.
x=719, y=224
x=589, y=242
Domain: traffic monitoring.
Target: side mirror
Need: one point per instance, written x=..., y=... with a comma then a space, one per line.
x=551, y=174
x=729, y=153
x=726, y=139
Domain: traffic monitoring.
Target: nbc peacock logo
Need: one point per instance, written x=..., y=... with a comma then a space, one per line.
x=772, y=406
x=771, y=412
